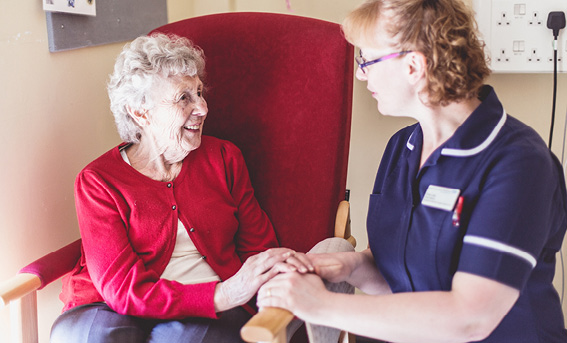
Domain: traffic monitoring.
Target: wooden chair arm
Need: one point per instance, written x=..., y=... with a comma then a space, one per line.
x=342, y=223
x=267, y=325
x=17, y=287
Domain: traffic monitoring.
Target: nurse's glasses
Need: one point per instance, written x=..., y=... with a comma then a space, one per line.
x=362, y=63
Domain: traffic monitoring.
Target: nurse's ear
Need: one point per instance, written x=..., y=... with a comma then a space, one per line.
x=417, y=65
x=139, y=116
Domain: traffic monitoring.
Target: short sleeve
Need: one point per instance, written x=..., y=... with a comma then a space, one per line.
x=519, y=207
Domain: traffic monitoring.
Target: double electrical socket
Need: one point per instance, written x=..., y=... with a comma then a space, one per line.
x=516, y=35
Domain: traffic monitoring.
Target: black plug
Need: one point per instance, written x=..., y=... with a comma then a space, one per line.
x=556, y=21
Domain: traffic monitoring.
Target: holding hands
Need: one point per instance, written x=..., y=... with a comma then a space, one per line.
x=284, y=278
x=256, y=271
x=304, y=291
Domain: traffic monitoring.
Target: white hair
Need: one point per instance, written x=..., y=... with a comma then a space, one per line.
x=138, y=65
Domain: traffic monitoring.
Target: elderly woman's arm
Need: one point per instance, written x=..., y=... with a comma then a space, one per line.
x=118, y=271
x=120, y=245
x=255, y=234
x=255, y=231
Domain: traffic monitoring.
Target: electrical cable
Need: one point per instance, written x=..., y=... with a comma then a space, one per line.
x=554, y=101
x=556, y=22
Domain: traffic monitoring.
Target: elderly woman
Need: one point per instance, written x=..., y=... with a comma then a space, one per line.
x=469, y=205
x=174, y=242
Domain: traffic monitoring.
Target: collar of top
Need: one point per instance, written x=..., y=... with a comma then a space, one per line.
x=475, y=134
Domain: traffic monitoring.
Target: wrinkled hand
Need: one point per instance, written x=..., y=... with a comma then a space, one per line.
x=257, y=269
x=301, y=294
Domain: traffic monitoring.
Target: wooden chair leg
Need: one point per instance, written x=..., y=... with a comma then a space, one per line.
x=23, y=319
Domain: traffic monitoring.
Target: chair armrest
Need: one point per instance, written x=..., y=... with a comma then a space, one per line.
x=20, y=291
x=56, y=264
x=267, y=325
x=18, y=286
x=40, y=273
x=342, y=223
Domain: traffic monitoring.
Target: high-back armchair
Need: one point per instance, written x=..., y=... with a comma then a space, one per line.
x=280, y=88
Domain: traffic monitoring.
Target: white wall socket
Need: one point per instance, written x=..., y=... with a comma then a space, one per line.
x=516, y=35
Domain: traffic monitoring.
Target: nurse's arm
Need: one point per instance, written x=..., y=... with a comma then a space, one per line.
x=366, y=276
x=469, y=312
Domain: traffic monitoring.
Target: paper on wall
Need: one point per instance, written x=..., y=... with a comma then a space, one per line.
x=84, y=7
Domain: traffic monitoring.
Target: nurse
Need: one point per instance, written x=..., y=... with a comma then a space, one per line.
x=468, y=209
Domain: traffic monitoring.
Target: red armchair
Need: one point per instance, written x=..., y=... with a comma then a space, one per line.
x=280, y=88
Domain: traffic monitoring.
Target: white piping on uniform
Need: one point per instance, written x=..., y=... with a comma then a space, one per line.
x=498, y=246
x=408, y=144
x=479, y=148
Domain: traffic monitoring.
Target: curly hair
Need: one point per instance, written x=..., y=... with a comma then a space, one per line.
x=138, y=65
x=444, y=31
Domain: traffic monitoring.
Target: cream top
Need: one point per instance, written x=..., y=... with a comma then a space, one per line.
x=187, y=265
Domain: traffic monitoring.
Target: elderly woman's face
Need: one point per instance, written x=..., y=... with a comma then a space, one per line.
x=176, y=120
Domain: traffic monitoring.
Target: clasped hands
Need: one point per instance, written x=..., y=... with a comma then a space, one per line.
x=302, y=290
x=282, y=278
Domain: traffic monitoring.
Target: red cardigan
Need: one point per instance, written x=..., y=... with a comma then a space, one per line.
x=128, y=224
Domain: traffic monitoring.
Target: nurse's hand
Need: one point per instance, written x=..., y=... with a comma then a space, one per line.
x=257, y=269
x=297, y=262
x=334, y=267
x=299, y=293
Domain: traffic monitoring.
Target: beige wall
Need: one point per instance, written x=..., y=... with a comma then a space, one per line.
x=54, y=118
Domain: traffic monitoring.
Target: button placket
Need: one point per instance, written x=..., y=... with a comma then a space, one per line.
x=170, y=186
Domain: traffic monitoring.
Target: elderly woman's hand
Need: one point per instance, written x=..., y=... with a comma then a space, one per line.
x=256, y=271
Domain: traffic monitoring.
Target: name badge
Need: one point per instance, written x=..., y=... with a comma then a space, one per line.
x=442, y=198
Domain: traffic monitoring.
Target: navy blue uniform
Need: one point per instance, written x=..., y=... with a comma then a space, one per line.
x=511, y=225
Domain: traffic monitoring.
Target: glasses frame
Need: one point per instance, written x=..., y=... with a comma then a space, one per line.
x=362, y=63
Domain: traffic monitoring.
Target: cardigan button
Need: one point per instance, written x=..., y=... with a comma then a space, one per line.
x=192, y=229
x=173, y=207
x=169, y=185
